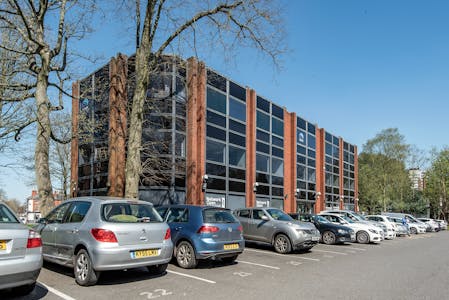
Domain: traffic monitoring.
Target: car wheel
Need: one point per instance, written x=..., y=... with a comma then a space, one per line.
x=185, y=256
x=229, y=259
x=362, y=237
x=329, y=238
x=24, y=289
x=413, y=230
x=157, y=269
x=85, y=275
x=282, y=244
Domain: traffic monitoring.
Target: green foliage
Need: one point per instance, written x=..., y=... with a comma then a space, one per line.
x=437, y=183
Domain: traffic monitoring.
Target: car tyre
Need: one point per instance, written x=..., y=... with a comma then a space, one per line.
x=157, y=269
x=85, y=275
x=329, y=238
x=24, y=290
x=185, y=256
x=282, y=244
x=413, y=230
x=229, y=259
x=362, y=237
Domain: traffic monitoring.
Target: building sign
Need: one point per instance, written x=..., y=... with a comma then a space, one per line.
x=215, y=200
x=262, y=203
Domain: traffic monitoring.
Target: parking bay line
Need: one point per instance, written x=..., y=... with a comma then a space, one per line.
x=56, y=292
x=283, y=255
x=346, y=247
x=191, y=276
x=259, y=265
x=332, y=252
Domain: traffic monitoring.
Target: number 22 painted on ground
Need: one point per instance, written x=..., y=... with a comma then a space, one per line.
x=156, y=293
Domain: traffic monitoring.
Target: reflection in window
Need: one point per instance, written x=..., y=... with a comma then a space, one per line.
x=216, y=100
x=277, y=167
x=278, y=127
x=237, y=109
x=263, y=121
x=262, y=163
x=215, y=151
x=237, y=157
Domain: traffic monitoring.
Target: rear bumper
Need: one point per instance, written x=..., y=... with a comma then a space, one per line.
x=20, y=271
x=105, y=259
x=209, y=248
x=346, y=238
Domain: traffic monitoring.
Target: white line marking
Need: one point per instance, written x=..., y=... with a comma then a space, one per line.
x=328, y=256
x=191, y=276
x=332, y=252
x=260, y=265
x=283, y=255
x=344, y=247
x=56, y=292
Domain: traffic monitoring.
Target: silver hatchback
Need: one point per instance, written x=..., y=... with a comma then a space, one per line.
x=94, y=234
x=273, y=226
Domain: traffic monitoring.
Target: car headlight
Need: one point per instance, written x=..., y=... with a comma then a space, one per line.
x=372, y=230
x=300, y=231
x=342, y=231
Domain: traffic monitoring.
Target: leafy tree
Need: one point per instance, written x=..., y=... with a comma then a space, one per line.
x=437, y=183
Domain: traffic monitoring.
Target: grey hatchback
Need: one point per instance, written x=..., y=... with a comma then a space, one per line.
x=94, y=234
x=273, y=226
x=20, y=253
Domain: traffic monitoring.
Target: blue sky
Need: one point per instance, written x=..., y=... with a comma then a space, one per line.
x=354, y=68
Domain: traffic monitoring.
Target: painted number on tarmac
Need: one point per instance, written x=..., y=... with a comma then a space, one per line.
x=242, y=274
x=156, y=293
x=294, y=263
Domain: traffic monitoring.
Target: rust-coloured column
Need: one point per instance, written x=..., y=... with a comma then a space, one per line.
x=340, y=173
x=74, y=143
x=289, y=161
x=201, y=131
x=356, y=180
x=250, y=146
x=118, y=70
x=320, y=174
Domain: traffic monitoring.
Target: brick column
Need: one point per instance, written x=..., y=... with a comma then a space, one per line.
x=74, y=143
x=289, y=161
x=356, y=180
x=118, y=70
x=201, y=133
x=340, y=173
x=320, y=174
x=250, y=147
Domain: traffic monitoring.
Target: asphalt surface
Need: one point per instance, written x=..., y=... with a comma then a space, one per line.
x=405, y=268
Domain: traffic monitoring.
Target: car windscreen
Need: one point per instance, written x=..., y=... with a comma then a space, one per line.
x=359, y=217
x=278, y=214
x=321, y=219
x=126, y=212
x=349, y=220
x=6, y=216
x=217, y=215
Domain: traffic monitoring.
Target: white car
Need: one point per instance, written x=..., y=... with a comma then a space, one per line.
x=443, y=224
x=364, y=233
x=391, y=226
x=433, y=224
x=413, y=224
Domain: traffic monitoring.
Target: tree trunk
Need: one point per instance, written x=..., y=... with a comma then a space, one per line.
x=42, y=149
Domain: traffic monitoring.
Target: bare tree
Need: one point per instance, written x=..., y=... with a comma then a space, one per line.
x=182, y=24
x=60, y=153
x=37, y=34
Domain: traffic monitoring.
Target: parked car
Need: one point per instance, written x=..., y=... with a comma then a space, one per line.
x=330, y=233
x=389, y=225
x=364, y=233
x=414, y=225
x=275, y=227
x=400, y=229
x=443, y=224
x=360, y=219
x=95, y=234
x=203, y=232
x=20, y=253
x=434, y=225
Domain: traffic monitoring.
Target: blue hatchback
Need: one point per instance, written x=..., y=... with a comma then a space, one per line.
x=202, y=232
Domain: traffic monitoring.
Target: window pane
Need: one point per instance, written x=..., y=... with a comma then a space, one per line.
x=263, y=104
x=277, y=111
x=237, y=157
x=237, y=139
x=216, y=184
x=311, y=141
x=263, y=121
x=213, y=169
x=237, y=126
x=311, y=175
x=262, y=178
x=216, y=100
x=301, y=137
x=277, y=127
x=277, y=180
x=216, y=133
x=180, y=145
x=237, y=91
x=237, y=173
x=301, y=123
x=278, y=167
x=311, y=128
x=215, y=151
x=237, y=109
x=216, y=80
x=301, y=172
x=235, y=186
x=277, y=152
x=262, y=147
x=216, y=119
x=263, y=136
x=262, y=163
x=277, y=141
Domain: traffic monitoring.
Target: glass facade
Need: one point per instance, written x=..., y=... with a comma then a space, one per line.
x=225, y=142
x=348, y=176
x=305, y=166
x=332, y=171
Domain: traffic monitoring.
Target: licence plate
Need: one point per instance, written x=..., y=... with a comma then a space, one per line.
x=2, y=245
x=231, y=246
x=315, y=238
x=144, y=253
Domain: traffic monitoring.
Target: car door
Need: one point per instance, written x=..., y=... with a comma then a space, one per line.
x=177, y=219
x=67, y=233
x=261, y=229
x=244, y=216
x=48, y=228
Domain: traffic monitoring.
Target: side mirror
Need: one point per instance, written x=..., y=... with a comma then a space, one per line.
x=265, y=218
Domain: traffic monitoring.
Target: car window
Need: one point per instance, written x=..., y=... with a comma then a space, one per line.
x=6, y=216
x=78, y=211
x=245, y=213
x=178, y=215
x=129, y=213
x=320, y=219
x=214, y=215
x=57, y=215
x=257, y=214
x=278, y=214
x=162, y=211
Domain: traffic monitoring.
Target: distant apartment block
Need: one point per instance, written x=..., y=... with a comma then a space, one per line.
x=33, y=205
x=417, y=177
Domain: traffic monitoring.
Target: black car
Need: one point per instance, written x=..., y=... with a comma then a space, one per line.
x=330, y=233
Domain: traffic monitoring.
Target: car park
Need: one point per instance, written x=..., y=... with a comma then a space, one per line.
x=330, y=233
x=389, y=225
x=275, y=227
x=203, y=232
x=365, y=233
x=20, y=253
x=95, y=234
x=434, y=225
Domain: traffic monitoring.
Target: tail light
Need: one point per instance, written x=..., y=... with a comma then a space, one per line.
x=167, y=234
x=103, y=235
x=240, y=228
x=34, y=240
x=208, y=229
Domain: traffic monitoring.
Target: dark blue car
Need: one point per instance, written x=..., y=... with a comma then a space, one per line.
x=203, y=232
